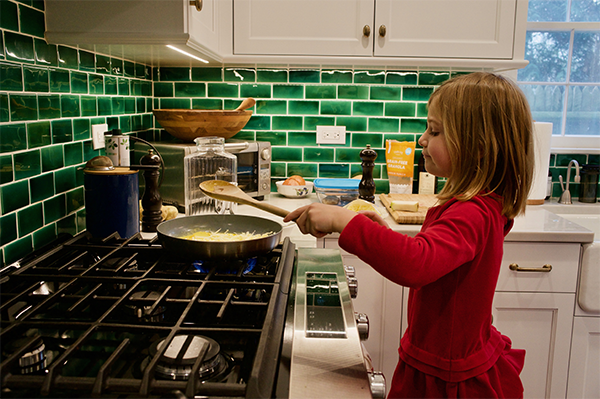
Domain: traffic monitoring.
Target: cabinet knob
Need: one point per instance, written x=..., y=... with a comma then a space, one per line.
x=382, y=30
x=197, y=4
x=517, y=268
x=367, y=31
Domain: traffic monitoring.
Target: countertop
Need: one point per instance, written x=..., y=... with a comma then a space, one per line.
x=537, y=225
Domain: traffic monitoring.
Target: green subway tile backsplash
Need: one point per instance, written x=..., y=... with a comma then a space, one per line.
x=51, y=95
x=45, y=126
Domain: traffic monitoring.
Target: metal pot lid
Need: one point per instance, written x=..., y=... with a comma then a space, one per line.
x=98, y=163
x=102, y=165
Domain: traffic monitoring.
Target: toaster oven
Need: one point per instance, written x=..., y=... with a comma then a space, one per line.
x=253, y=168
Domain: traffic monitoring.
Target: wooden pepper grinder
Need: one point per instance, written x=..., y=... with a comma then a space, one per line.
x=366, y=187
x=151, y=201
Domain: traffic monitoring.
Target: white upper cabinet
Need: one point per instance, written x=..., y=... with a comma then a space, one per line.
x=304, y=27
x=402, y=32
x=445, y=28
x=137, y=29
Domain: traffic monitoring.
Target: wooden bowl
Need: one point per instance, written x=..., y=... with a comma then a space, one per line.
x=187, y=124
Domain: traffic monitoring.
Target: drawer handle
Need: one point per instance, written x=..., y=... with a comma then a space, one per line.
x=543, y=269
x=367, y=31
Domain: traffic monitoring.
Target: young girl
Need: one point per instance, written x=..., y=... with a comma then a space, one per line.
x=479, y=137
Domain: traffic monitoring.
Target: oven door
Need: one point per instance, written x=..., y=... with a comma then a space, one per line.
x=322, y=351
x=253, y=166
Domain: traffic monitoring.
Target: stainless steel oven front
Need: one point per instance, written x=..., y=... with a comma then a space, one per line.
x=253, y=159
x=322, y=354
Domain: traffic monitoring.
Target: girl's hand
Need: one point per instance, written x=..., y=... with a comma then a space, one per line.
x=376, y=217
x=320, y=219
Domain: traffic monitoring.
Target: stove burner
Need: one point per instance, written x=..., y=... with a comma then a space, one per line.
x=145, y=312
x=33, y=361
x=232, y=267
x=181, y=354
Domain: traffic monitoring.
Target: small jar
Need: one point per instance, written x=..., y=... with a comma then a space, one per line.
x=588, y=186
x=210, y=161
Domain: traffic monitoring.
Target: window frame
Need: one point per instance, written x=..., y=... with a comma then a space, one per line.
x=563, y=143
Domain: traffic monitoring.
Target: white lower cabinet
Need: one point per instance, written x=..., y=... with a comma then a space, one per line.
x=540, y=323
x=584, y=369
x=534, y=308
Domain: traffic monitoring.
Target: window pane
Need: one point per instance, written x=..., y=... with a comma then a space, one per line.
x=547, y=11
x=583, y=111
x=585, y=62
x=547, y=53
x=585, y=10
x=546, y=103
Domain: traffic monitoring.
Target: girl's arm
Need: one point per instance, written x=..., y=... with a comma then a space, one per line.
x=449, y=241
x=319, y=219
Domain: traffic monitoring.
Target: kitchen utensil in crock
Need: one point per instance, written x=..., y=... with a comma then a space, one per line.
x=226, y=191
x=170, y=232
x=187, y=124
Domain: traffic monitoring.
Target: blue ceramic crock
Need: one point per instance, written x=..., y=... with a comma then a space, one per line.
x=112, y=202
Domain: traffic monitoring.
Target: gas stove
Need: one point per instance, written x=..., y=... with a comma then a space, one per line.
x=120, y=317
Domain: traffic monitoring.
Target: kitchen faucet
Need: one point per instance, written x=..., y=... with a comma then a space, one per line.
x=565, y=197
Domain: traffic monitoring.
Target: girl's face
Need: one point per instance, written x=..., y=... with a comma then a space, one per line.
x=433, y=141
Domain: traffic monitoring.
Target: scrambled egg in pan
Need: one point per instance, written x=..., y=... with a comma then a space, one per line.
x=224, y=236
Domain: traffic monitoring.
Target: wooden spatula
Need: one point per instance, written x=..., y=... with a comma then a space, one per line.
x=225, y=191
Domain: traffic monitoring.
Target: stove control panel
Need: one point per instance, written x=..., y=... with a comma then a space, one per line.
x=324, y=314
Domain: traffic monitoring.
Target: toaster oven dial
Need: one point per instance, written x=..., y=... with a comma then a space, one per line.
x=265, y=154
x=362, y=325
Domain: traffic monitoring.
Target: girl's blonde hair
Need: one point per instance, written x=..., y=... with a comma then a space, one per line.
x=488, y=131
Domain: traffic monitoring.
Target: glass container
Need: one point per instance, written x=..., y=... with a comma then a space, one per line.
x=588, y=186
x=208, y=162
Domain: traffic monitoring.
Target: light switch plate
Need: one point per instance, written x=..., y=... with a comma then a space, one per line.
x=98, y=135
x=331, y=134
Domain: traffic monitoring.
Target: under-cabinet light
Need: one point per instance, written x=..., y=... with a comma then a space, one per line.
x=188, y=54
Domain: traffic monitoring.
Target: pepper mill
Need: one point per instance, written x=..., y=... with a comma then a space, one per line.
x=151, y=200
x=366, y=187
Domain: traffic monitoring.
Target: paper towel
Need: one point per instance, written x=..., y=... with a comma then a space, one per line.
x=542, y=135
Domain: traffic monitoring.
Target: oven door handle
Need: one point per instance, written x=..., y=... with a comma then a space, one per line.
x=236, y=146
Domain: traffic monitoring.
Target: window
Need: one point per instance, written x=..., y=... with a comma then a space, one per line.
x=562, y=79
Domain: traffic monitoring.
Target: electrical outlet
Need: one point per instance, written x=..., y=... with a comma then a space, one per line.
x=331, y=134
x=98, y=135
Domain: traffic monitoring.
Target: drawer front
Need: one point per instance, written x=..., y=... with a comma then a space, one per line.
x=564, y=259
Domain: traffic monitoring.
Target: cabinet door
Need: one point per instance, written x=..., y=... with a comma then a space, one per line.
x=203, y=26
x=381, y=301
x=584, y=367
x=302, y=27
x=540, y=323
x=441, y=28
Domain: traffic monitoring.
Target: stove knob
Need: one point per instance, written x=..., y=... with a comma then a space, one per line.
x=362, y=325
x=350, y=271
x=352, y=287
x=377, y=384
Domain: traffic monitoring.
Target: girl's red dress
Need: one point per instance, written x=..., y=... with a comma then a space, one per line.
x=450, y=348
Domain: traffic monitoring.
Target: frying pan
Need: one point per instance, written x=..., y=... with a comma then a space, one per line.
x=169, y=234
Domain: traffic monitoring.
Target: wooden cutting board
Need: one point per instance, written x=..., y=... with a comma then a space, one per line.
x=426, y=201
